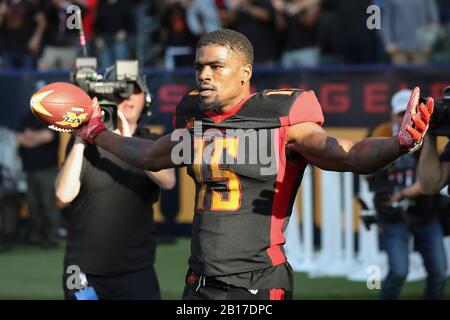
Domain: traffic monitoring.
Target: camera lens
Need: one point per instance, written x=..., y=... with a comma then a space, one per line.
x=106, y=117
x=109, y=116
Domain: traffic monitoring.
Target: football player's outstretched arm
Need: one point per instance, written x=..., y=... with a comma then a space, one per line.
x=368, y=155
x=330, y=153
x=142, y=153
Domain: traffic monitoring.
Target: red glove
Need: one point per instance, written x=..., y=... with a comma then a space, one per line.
x=90, y=130
x=415, y=122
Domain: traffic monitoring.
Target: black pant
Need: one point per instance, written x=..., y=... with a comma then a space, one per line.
x=136, y=285
x=205, y=288
x=42, y=205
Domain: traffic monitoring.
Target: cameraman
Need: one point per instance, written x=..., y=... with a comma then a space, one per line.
x=402, y=211
x=110, y=217
x=435, y=168
x=434, y=175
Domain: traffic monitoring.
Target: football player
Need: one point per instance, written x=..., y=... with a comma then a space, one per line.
x=243, y=204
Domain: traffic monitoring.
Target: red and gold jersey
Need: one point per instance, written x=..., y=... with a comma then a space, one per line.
x=245, y=185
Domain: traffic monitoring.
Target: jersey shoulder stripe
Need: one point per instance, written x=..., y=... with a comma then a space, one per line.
x=265, y=109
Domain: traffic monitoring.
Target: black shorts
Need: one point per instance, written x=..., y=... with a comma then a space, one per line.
x=205, y=288
x=136, y=285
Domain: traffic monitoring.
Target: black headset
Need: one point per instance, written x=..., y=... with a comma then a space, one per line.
x=141, y=82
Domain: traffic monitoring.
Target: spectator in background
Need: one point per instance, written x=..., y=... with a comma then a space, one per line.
x=224, y=11
x=22, y=25
x=441, y=52
x=355, y=44
x=328, y=32
x=256, y=20
x=38, y=149
x=176, y=36
x=89, y=10
x=113, y=22
x=299, y=22
x=444, y=13
x=203, y=17
x=149, y=49
x=60, y=49
x=10, y=192
x=403, y=210
x=409, y=29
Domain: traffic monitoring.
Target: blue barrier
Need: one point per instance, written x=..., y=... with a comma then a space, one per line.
x=350, y=95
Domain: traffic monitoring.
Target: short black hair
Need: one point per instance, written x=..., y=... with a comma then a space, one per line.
x=234, y=40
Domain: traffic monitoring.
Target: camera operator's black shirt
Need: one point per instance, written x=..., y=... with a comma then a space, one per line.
x=110, y=222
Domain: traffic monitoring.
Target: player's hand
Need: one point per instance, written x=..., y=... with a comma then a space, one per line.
x=415, y=122
x=91, y=129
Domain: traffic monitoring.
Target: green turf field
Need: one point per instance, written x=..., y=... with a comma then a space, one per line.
x=31, y=273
